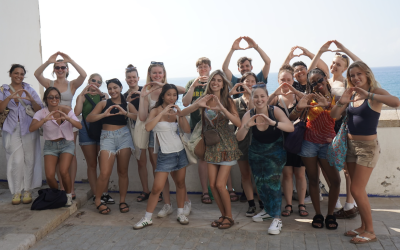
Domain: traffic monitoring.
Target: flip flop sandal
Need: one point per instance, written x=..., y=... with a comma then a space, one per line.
x=205, y=199
x=287, y=212
x=234, y=196
x=142, y=197
x=303, y=213
x=330, y=219
x=351, y=235
x=226, y=225
x=123, y=209
x=216, y=223
x=365, y=239
x=106, y=209
x=318, y=219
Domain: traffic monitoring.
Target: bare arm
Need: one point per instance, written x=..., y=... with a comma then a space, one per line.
x=315, y=62
x=96, y=114
x=225, y=65
x=284, y=123
x=82, y=74
x=132, y=114
x=184, y=124
x=345, y=50
x=232, y=115
x=382, y=96
x=290, y=56
x=264, y=56
x=244, y=128
x=154, y=117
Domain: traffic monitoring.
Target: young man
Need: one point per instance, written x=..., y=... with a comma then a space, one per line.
x=244, y=63
x=195, y=89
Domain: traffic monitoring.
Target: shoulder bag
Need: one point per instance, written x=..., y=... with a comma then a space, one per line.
x=185, y=141
x=94, y=132
x=294, y=140
x=337, y=149
x=28, y=108
x=3, y=116
x=141, y=136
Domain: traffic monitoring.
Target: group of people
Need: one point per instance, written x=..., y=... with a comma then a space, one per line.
x=240, y=123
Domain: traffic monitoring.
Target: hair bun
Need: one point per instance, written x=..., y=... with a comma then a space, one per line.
x=130, y=66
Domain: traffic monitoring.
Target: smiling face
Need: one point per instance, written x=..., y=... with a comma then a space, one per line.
x=285, y=77
x=338, y=66
x=300, y=73
x=216, y=84
x=53, y=98
x=157, y=74
x=132, y=79
x=245, y=67
x=358, y=78
x=17, y=75
x=170, y=97
x=60, y=72
x=114, y=90
x=250, y=81
x=97, y=84
x=204, y=69
x=260, y=98
x=319, y=83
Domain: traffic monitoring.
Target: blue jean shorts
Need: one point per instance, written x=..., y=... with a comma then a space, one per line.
x=57, y=148
x=114, y=141
x=84, y=138
x=172, y=161
x=151, y=139
x=310, y=149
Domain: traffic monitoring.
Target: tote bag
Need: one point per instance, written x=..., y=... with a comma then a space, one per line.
x=337, y=149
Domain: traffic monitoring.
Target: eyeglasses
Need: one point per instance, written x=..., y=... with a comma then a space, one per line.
x=99, y=82
x=259, y=85
x=53, y=97
x=158, y=63
x=58, y=67
x=313, y=84
x=299, y=69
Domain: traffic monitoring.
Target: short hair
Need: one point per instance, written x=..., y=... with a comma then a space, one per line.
x=202, y=60
x=299, y=63
x=15, y=66
x=243, y=59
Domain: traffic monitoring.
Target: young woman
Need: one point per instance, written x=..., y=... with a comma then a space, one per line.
x=115, y=142
x=318, y=134
x=267, y=156
x=67, y=89
x=339, y=65
x=363, y=150
x=156, y=78
x=133, y=96
x=90, y=147
x=286, y=98
x=172, y=156
x=59, y=147
x=243, y=104
x=22, y=147
x=217, y=109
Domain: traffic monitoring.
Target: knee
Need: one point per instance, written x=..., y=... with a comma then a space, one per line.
x=246, y=176
x=122, y=173
x=212, y=185
x=64, y=171
x=220, y=186
x=335, y=182
x=104, y=175
x=157, y=189
x=301, y=176
x=287, y=175
x=50, y=176
x=180, y=184
x=355, y=191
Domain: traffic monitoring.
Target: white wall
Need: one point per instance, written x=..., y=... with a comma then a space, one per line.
x=20, y=38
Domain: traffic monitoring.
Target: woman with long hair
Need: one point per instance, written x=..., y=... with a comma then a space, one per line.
x=115, y=142
x=267, y=156
x=59, y=147
x=363, y=101
x=67, y=89
x=217, y=109
x=22, y=147
x=171, y=158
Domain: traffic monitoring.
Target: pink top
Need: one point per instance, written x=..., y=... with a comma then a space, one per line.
x=51, y=129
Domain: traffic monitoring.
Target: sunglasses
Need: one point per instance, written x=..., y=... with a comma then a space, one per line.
x=158, y=63
x=259, y=85
x=344, y=56
x=53, y=97
x=99, y=82
x=313, y=84
x=58, y=67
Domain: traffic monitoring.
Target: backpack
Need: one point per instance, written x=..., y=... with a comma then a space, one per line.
x=49, y=199
x=94, y=132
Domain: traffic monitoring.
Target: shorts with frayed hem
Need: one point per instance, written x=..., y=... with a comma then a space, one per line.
x=114, y=141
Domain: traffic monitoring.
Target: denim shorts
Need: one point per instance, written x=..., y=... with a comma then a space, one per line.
x=172, y=161
x=310, y=149
x=57, y=148
x=84, y=138
x=151, y=139
x=114, y=141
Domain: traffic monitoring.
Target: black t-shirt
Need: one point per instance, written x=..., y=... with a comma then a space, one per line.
x=136, y=101
x=299, y=87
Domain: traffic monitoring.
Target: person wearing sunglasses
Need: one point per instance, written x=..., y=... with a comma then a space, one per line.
x=67, y=89
x=21, y=147
x=338, y=82
x=115, y=142
x=317, y=136
x=156, y=79
x=59, y=147
x=90, y=147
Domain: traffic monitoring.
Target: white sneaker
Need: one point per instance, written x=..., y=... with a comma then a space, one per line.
x=144, y=222
x=307, y=200
x=275, y=227
x=338, y=204
x=261, y=216
x=182, y=219
x=165, y=210
x=187, y=208
x=69, y=200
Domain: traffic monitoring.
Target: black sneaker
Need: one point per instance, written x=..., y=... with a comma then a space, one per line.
x=106, y=198
x=243, y=197
x=251, y=211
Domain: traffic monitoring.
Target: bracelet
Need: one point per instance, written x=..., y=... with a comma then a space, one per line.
x=245, y=127
x=368, y=97
x=276, y=124
x=372, y=97
x=102, y=96
x=329, y=105
x=339, y=104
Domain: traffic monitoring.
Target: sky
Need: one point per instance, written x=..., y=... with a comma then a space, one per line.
x=105, y=36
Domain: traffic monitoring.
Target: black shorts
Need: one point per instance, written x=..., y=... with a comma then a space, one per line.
x=293, y=160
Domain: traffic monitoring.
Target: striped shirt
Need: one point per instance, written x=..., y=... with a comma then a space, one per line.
x=320, y=125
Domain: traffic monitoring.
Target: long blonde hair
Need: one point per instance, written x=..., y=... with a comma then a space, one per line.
x=224, y=98
x=148, y=79
x=370, y=76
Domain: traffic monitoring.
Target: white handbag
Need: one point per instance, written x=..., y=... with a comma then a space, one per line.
x=28, y=108
x=132, y=128
x=192, y=159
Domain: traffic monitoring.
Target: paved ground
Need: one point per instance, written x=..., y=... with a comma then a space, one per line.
x=87, y=229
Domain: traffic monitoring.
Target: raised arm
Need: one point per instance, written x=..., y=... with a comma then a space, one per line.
x=343, y=49
x=317, y=58
x=290, y=56
x=230, y=113
x=155, y=117
x=225, y=65
x=188, y=97
x=199, y=103
x=45, y=82
x=264, y=56
x=82, y=74
x=80, y=100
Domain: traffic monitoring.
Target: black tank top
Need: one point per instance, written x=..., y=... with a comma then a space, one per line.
x=116, y=119
x=271, y=134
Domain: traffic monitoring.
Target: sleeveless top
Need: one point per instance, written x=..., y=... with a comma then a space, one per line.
x=117, y=119
x=66, y=97
x=151, y=102
x=227, y=149
x=170, y=142
x=338, y=91
x=268, y=136
x=362, y=120
x=283, y=108
x=87, y=106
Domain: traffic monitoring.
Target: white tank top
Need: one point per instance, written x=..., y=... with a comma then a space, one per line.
x=151, y=103
x=170, y=142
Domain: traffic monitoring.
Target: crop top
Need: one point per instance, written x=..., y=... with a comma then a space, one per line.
x=116, y=119
x=271, y=134
x=362, y=120
x=169, y=139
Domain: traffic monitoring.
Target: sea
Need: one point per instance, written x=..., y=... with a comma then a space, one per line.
x=388, y=77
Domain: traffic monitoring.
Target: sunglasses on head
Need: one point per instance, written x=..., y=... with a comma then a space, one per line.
x=99, y=82
x=158, y=63
x=53, y=97
x=58, y=67
x=259, y=85
x=344, y=56
x=313, y=84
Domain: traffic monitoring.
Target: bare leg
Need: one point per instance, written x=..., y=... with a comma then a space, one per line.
x=203, y=174
x=312, y=173
x=73, y=167
x=301, y=184
x=65, y=163
x=158, y=185
x=349, y=197
x=153, y=160
x=334, y=180
x=245, y=172
x=218, y=176
x=123, y=157
x=142, y=170
x=106, y=165
x=287, y=184
x=90, y=152
x=50, y=162
x=179, y=179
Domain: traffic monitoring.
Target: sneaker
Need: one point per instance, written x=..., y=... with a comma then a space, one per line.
x=275, y=227
x=251, y=211
x=16, y=200
x=187, y=208
x=165, y=210
x=307, y=200
x=27, y=197
x=106, y=198
x=261, y=216
x=69, y=200
x=182, y=219
x=144, y=222
x=338, y=204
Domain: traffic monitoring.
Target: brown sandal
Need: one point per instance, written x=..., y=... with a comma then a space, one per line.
x=206, y=199
x=233, y=195
x=216, y=223
x=227, y=225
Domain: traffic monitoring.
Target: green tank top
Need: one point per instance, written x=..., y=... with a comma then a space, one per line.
x=87, y=106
